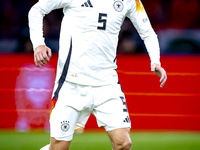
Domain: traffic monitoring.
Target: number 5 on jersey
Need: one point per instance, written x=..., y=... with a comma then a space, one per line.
x=103, y=21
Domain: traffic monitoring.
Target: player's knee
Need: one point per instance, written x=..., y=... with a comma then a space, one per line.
x=128, y=145
x=125, y=145
x=59, y=145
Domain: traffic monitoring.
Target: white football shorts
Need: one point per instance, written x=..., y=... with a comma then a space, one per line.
x=76, y=102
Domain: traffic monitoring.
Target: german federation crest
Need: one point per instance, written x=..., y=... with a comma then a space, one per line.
x=118, y=6
x=65, y=126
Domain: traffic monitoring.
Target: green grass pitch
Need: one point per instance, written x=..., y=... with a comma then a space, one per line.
x=100, y=141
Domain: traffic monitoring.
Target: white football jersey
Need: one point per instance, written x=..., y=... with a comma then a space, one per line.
x=89, y=36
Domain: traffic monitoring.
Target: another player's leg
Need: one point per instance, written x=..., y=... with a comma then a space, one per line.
x=120, y=139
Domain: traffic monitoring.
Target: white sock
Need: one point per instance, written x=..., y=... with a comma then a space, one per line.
x=45, y=147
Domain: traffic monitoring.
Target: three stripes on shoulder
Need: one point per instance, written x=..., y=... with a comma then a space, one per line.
x=87, y=4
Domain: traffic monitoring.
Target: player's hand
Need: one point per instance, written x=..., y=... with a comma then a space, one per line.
x=42, y=55
x=159, y=71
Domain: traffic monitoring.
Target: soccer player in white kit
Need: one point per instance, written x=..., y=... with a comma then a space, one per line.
x=86, y=80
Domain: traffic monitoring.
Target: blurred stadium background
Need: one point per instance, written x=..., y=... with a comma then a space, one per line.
x=162, y=119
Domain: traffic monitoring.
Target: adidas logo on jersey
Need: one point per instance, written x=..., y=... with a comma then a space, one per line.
x=87, y=4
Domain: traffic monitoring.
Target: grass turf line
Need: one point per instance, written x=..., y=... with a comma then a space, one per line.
x=100, y=141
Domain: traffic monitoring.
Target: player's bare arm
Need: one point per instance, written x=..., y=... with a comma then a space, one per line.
x=42, y=55
x=159, y=71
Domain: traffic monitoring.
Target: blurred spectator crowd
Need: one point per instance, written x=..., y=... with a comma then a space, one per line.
x=176, y=22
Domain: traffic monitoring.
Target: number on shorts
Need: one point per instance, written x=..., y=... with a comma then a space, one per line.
x=124, y=103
